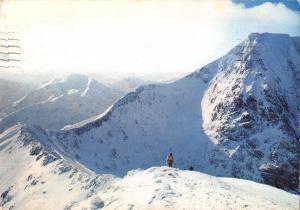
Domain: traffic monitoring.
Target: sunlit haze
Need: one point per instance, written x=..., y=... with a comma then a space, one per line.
x=140, y=37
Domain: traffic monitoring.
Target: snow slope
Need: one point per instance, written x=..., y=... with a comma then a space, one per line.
x=34, y=176
x=168, y=188
x=60, y=102
x=43, y=178
x=235, y=117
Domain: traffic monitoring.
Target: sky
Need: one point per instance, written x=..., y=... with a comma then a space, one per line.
x=291, y=4
x=137, y=37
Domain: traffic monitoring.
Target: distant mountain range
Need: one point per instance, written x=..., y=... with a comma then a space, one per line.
x=59, y=102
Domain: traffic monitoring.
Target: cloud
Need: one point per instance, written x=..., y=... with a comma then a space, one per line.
x=137, y=36
x=291, y=4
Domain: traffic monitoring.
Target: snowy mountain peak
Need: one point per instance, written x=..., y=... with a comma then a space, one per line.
x=268, y=36
x=241, y=105
x=251, y=106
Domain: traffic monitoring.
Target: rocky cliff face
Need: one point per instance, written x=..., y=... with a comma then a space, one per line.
x=253, y=105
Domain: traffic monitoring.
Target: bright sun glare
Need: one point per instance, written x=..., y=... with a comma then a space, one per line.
x=134, y=36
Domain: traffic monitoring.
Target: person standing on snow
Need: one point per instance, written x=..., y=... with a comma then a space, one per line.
x=170, y=160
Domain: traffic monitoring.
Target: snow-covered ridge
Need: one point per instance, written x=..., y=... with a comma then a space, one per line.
x=168, y=188
x=241, y=105
x=39, y=173
x=97, y=121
